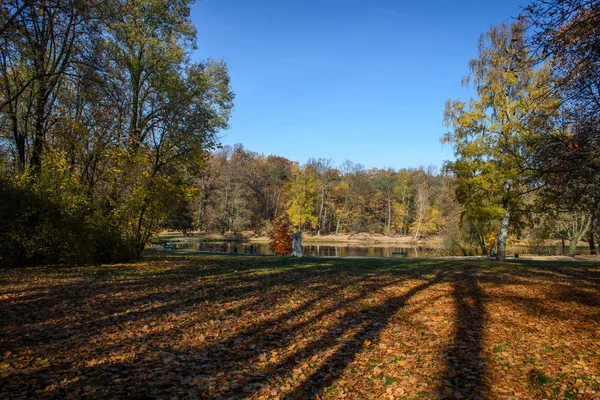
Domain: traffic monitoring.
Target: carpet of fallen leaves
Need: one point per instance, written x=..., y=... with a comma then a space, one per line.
x=267, y=327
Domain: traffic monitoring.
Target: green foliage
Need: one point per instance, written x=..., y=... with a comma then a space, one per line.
x=122, y=123
x=302, y=199
x=493, y=135
x=180, y=217
x=50, y=220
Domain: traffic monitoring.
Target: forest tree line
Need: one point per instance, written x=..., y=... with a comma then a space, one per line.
x=109, y=133
x=244, y=190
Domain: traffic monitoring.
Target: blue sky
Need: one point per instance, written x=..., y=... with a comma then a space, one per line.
x=360, y=80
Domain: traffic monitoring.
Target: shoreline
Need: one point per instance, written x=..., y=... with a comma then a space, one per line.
x=158, y=250
x=353, y=238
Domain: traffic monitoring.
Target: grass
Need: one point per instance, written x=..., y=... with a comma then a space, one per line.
x=174, y=326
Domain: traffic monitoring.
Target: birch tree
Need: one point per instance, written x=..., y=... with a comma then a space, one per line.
x=492, y=134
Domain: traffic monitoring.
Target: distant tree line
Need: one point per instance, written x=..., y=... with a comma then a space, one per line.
x=244, y=190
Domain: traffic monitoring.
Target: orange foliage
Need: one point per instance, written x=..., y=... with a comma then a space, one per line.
x=281, y=238
x=216, y=326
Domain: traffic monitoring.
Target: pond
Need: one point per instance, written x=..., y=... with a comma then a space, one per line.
x=353, y=250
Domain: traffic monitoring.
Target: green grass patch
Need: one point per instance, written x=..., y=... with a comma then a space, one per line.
x=537, y=377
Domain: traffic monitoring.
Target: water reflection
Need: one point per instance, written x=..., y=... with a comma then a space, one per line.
x=351, y=250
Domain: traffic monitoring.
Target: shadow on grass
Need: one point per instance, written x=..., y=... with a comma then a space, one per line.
x=371, y=322
x=465, y=367
x=123, y=329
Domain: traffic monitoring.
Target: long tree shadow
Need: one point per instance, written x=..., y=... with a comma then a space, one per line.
x=225, y=359
x=371, y=322
x=465, y=366
x=337, y=307
x=59, y=332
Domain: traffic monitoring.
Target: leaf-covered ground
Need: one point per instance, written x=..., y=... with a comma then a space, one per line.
x=269, y=327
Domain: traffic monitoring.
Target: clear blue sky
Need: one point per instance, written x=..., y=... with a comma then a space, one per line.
x=360, y=80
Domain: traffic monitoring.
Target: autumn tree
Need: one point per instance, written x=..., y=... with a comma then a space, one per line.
x=422, y=207
x=301, y=207
x=322, y=169
x=208, y=183
x=491, y=134
x=346, y=190
x=566, y=35
x=573, y=227
x=174, y=108
x=385, y=182
x=281, y=237
x=39, y=43
x=278, y=173
x=105, y=95
x=402, y=205
x=569, y=167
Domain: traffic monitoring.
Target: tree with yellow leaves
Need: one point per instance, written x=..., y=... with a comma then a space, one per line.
x=494, y=134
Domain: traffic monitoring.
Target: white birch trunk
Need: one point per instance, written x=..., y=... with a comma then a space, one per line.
x=503, y=236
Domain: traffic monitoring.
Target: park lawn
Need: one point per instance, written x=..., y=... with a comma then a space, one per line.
x=270, y=327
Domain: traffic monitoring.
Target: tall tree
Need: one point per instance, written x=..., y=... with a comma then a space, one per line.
x=147, y=40
x=566, y=34
x=322, y=169
x=301, y=207
x=421, y=208
x=385, y=182
x=39, y=42
x=491, y=134
x=347, y=189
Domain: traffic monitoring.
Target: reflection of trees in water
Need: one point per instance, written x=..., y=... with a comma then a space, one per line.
x=329, y=250
x=349, y=250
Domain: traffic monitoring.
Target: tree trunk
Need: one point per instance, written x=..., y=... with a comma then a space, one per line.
x=276, y=205
x=401, y=230
x=140, y=242
x=389, y=218
x=419, y=218
x=134, y=129
x=503, y=236
x=579, y=228
x=19, y=138
x=337, y=227
x=482, y=244
x=320, y=222
x=405, y=218
x=39, y=125
x=592, y=236
x=201, y=215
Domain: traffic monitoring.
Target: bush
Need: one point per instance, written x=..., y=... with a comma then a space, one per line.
x=47, y=221
x=281, y=237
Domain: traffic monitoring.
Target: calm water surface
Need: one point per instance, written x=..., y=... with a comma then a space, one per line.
x=351, y=250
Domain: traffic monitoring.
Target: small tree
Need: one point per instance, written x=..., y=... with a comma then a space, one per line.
x=281, y=238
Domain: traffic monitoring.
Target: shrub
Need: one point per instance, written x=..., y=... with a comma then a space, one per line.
x=281, y=237
x=48, y=221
